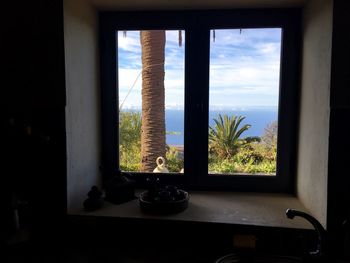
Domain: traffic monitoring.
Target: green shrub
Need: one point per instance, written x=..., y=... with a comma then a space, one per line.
x=249, y=153
x=130, y=158
x=224, y=166
x=174, y=162
x=230, y=166
x=250, y=139
x=129, y=128
x=130, y=141
x=252, y=158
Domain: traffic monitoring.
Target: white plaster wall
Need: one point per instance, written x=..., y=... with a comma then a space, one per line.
x=82, y=110
x=314, y=114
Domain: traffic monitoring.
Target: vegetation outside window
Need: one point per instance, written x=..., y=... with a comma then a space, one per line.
x=219, y=108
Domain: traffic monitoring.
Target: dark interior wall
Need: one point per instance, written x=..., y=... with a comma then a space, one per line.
x=340, y=95
x=339, y=131
x=33, y=111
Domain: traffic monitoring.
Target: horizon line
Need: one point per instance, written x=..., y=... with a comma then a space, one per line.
x=213, y=107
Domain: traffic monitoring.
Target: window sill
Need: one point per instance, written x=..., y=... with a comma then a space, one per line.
x=248, y=209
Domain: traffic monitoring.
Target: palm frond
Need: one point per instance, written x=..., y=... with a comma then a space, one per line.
x=224, y=135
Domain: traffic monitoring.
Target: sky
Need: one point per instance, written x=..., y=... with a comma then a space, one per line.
x=244, y=69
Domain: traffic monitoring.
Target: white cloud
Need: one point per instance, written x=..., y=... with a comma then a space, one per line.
x=130, y=42
x=244, y=67
x=127, y=78
x=269, y=49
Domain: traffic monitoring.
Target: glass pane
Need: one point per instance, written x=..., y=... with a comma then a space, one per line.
x=243, y=102
x=151, y=100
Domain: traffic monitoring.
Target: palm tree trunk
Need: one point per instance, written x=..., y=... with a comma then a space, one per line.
x=153, y=99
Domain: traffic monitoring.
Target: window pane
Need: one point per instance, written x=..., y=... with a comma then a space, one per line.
x=243, y=102
x=151, y=100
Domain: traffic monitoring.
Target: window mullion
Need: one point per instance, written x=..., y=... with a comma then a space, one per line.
x=110, y=160
x=196, y=101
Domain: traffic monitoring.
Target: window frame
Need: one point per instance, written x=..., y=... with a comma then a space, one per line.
x=197, y=26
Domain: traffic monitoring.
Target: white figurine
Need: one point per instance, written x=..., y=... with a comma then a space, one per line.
x=160, y=166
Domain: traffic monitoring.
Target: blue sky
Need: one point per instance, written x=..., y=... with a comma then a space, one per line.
x=244, y=69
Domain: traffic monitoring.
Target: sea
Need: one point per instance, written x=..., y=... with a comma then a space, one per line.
x=257, y=118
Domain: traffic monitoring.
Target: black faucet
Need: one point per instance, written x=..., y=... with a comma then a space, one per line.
x=319, y=253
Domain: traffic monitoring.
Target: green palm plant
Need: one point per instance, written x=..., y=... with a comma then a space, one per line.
x=224, y=137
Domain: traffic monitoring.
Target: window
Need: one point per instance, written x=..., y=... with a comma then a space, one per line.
x=151, y=92
x=231, y=70
x=243, y=101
